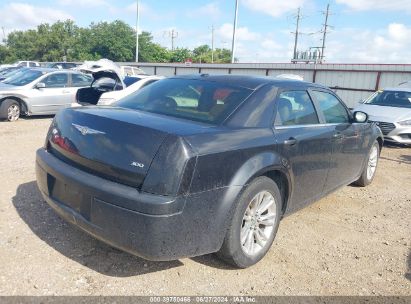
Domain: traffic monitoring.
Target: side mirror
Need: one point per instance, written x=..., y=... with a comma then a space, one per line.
x=40, y=85
x=360, y=117
x=361, y=101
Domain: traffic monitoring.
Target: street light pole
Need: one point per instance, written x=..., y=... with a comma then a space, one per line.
x=212, y=44
x=137, y=29
x=234, y=32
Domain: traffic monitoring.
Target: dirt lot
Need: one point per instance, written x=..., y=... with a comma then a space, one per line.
x=357, y=241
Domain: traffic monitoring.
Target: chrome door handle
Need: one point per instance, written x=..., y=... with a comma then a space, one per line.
x=290, y=142
x=337, y=135
x=66, y=92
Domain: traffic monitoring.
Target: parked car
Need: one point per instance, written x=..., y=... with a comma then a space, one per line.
x=131, y=71
x=390, y=109
x=62, y=65
x=133, y=85
x=39, y=91
x=103, y=81
x=192, y=165
x=30, y=64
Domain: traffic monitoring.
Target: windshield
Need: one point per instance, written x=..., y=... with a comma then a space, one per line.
x=12, y=73
x=399, y=99
x=7, y=70
x=24, y=77
x=203, y=101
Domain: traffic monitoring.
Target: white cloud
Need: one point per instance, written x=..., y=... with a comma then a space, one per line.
x=87, y=3
x=146, y=12
x=17, y=16
x=210, y=10
x=367, y=5
x=225, y=32
x=389, y=45
x=273, y=8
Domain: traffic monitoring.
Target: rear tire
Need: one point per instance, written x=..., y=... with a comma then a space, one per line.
x=10, y=110
x=254, y=224
x=370, y=168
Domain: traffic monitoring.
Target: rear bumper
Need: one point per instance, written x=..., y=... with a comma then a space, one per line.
x=150, y=226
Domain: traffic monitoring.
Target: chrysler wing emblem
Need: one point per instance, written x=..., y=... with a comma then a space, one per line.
x=86, y=130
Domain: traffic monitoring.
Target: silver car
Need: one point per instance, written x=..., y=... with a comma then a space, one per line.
x=390, y=109
x=39, y=91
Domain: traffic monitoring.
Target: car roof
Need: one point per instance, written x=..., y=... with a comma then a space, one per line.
x=51, y=70
x=398, y=89
x=48, y=70
x=248, y=81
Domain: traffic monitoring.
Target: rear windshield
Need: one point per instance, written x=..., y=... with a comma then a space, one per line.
x=197, y=100
x=398, y=99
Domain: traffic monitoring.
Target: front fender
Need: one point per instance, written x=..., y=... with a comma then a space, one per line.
x=19, y=98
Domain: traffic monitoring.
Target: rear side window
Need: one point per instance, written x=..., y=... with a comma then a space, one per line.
x=197, y=100
x=331, y=107
x=295, y=108
x=79, y=80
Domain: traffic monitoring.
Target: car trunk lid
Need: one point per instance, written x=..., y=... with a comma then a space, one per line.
x=104, y=144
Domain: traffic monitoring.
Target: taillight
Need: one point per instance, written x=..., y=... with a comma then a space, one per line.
x=62, y=142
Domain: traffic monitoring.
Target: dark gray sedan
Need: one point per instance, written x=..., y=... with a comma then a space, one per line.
x=193, y=165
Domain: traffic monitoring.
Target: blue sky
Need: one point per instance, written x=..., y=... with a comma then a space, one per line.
x=363, y=30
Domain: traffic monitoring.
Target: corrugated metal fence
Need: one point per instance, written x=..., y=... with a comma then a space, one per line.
x=352, y=82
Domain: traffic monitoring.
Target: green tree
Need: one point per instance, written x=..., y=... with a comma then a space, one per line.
x=202, y=54
x=114, y=41
x=222, y=56
x=180, y=55
x=149, y=51
x=4, y=53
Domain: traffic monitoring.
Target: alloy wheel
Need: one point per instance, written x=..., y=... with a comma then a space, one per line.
x=372, y=162
x=13, y=112
x=258, y=223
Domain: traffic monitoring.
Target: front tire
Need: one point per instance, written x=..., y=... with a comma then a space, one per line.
x=254, y=224
x=370, y=168
x=10, y=110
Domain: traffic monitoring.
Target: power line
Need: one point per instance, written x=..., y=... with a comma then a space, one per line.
x=173, y=34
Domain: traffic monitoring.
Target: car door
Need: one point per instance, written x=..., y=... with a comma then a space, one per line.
x=347, y=143
x=54, y=96
x=78, y=81
x=304, y=143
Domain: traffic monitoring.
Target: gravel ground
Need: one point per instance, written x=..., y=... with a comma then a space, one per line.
x=356, y=241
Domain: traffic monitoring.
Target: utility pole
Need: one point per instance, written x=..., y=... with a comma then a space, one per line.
x=173, y=34
x=297, y=33
x=137, y=29
x=234, y=32
x=212, y=44
x=327, y=13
